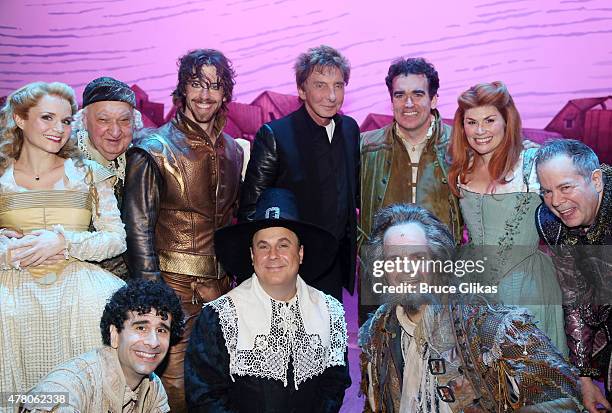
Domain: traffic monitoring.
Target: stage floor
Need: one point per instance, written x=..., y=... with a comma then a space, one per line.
x=352, y=403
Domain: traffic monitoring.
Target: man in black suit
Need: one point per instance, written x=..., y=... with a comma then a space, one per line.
x=314, y=152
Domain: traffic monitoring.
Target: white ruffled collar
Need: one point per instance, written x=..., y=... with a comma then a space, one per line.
x=262, y=334
x=117, y=167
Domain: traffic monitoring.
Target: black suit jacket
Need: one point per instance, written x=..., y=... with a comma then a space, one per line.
x=281, y=157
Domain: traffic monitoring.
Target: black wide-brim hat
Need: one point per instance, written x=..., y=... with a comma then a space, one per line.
x=275, y=208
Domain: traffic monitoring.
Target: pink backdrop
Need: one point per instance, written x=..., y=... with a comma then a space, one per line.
x=546, y=51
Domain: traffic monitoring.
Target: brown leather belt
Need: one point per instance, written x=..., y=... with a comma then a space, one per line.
x=205, y=266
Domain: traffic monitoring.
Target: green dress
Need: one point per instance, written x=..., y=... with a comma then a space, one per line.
x=503, y=224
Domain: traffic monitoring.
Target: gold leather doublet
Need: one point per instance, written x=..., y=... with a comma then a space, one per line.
x=200, y=192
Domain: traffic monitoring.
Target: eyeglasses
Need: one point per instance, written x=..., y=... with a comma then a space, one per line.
x=216, y=86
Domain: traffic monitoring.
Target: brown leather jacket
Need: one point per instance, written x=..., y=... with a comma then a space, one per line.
x=179, y=188
x=432, y=191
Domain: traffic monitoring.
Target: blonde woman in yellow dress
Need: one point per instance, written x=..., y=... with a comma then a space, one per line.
x=51, y=299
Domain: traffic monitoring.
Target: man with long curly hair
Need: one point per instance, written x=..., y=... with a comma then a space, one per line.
x=138, y=324
x=181, y=185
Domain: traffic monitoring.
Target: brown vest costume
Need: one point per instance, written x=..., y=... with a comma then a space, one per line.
x=201, y=185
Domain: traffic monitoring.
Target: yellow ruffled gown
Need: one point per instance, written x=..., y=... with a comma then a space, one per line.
x=49, y=314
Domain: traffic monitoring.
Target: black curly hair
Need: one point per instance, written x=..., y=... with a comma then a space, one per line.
x=141, y=296
x=413, y=66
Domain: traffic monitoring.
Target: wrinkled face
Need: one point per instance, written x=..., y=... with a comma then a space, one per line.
x=408, y=240
x=323, y=94
x=47, y=126
x=141, y=345
x=277, y=256
x=484, y=129
x=571, y=197
x=204, y=97
x=412, y=104
x=110, y=126
x=405, y=240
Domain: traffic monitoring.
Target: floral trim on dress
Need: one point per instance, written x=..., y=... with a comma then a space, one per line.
x=513, y=223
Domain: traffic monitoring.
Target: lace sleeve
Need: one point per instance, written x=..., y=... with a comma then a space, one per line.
x=109, y=238
x=337, y=331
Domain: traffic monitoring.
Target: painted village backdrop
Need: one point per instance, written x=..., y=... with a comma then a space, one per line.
x=555, y=56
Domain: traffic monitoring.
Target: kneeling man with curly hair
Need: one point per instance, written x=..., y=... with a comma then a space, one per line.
x=138, y=325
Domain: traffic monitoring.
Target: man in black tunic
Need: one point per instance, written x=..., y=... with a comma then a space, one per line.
x=274, y=343
x=314, y=152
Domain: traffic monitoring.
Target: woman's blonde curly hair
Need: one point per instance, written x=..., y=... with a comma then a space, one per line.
x=19, y=103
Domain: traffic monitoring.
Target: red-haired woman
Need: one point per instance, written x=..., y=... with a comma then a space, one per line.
x=496, y=181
